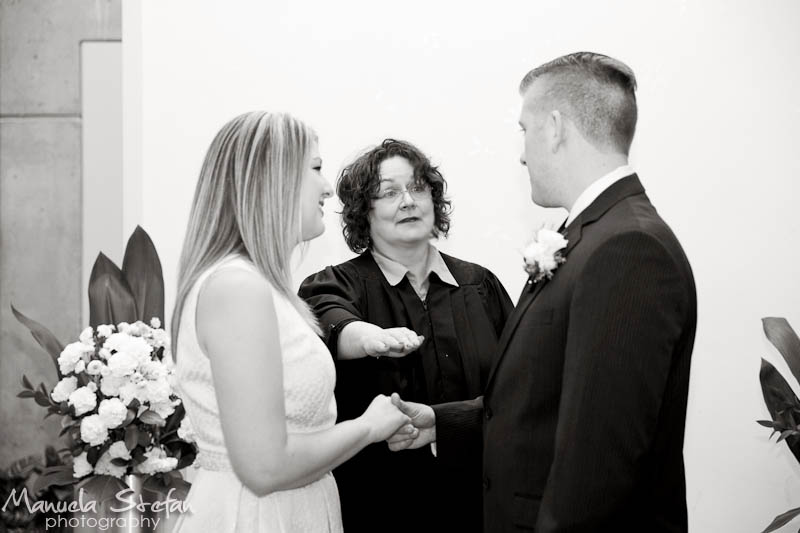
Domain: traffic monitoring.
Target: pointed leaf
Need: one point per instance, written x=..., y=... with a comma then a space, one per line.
x=110, y=298
x=153, y=418
x=61, y=476
x=26, y=394
x=783, y=337
x=131, y=437
x=102, y=488
x=41, y=399
x=781, y=520
x=776, y=393
x=142, y=270
x=26, y=382
x=42, y=335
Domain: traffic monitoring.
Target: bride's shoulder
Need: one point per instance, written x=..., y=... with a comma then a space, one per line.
x=235, y=284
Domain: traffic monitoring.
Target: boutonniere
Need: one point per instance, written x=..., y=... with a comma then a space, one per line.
x=544, y=253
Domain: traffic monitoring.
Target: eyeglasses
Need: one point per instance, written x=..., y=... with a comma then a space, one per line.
x=417, y=191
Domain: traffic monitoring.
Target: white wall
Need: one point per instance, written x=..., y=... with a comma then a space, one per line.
x=716, y=148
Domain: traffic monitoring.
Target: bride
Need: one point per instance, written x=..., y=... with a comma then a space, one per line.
x=256, y=380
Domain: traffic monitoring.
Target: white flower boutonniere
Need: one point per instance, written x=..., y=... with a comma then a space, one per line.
x=543, y=255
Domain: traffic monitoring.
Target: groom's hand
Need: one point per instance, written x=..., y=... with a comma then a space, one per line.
x=422, y=417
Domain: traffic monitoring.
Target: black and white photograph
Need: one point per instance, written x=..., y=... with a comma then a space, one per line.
x=379, y=267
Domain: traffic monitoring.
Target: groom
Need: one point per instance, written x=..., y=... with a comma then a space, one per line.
x=582, y=421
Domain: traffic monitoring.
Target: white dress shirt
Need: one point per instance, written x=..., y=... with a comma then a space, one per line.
x=594, y=190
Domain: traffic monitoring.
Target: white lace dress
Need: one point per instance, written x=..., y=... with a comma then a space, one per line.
x=218, y=501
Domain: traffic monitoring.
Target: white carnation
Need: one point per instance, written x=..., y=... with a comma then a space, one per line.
x=105, y=353
x=186, y=430
x=86, y=336
x=112, y=412
x=153, y=370
x=164, y=408
x=81, y=466
x=553, y=241
x=93, y=431
x=157, y=461
x=83, y=399
x=71, y=354
x=109, y=384
x=104, y=330
x=118, y=450
x=133, y=391
x=155, y=322
x=158, y=390
x=123, y=364
x=80, y=366
x=104, y=466
x=95, y=367
x=64, y=388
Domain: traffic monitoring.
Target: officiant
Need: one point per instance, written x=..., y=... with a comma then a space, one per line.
x=404, y=317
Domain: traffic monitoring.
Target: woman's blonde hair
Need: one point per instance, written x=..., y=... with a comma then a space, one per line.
x=247, y=202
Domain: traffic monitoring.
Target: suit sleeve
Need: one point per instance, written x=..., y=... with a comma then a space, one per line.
x=459, y=432
x=335, y=295
x=628, y=309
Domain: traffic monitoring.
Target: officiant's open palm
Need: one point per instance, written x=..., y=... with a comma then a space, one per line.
x=422, y=417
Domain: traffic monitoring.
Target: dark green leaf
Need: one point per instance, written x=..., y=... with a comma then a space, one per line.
x=46, y=340
x=118, y=461
x=142, y=270
x=130, y=417
x=131, y=437
x=781, y=520
x=26, y=383
x=152, y=418
x=26, y=394
x=777, y=392
x=102, y=488
x=144, y=438
x=93, y=455
x=41, y=399
x=783, y=337
x=110, y=297
x=60, y=476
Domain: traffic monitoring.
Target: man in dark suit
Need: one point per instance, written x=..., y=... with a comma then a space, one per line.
x=582, y=421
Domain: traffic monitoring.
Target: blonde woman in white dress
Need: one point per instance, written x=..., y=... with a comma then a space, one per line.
x=256, y=380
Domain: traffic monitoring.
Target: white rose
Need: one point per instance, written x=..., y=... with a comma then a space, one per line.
x=64, y=388
x=186, y=430
x=81, y=466
x=93, y=431
x=95, y=368
x=105, y=466
x=87, y=336
x=112, y=412
x=155, y=322
x=83, y=399
x=104, y=330
x=118, y=450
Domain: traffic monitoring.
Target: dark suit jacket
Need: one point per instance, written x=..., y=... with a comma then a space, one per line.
x=582, y=420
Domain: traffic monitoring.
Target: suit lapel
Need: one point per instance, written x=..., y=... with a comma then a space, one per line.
x=623, y=188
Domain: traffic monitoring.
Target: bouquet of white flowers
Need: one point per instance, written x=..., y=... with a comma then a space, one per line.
x=116, y=390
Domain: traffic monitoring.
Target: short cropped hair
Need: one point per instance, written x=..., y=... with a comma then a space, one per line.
x=359, y=182
x=596, y=92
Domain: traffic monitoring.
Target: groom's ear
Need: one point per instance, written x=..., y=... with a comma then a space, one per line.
x=556, y=128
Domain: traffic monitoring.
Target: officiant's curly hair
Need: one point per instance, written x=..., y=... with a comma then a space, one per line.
x=247, y=201
x=595, y=91
x=360, y=181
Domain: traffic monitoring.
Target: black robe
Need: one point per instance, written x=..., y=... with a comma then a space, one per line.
x=382, y=490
